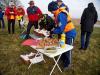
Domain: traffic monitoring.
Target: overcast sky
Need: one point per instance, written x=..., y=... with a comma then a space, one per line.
x=76, y=7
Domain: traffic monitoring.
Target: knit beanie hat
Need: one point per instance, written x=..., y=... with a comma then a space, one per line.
x=52, y=6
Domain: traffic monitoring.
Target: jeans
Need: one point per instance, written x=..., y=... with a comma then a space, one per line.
x=66, y=57
x=85, y=38
x=3, y=24
x=11, y=23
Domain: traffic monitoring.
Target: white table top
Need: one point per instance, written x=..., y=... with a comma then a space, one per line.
x=59, y=51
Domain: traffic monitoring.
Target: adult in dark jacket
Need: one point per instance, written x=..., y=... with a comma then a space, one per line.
x=88, y=19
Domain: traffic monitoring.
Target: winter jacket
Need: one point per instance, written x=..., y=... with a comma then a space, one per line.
x=62, y=19
x=9, y=14
x=20, y=13
x=89, y=18
x=1, y=15
x=33, y=13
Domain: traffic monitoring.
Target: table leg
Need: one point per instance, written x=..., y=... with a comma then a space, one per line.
x=56, y=64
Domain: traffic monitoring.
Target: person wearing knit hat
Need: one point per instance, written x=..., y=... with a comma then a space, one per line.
x=64, y=25
x=61, y=4
x=33, y=16
x=52, y=6
x=11, y=13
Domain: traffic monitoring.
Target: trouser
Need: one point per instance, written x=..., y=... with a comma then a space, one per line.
x=11, y=24
x=66, y=57
x=85, y=38
x=30, y=24
x=19, y=22
x=3, y=24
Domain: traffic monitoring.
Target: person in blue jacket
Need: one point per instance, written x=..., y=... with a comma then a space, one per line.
x=64, y=25
x=1, y=19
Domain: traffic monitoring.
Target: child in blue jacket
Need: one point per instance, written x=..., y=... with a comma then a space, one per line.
x=66, y=26
x=2, y=19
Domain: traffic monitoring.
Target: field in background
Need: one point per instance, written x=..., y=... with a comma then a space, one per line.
x=83, y=63
x=77, y=22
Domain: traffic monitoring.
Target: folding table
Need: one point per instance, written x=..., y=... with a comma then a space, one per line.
x=59, y=52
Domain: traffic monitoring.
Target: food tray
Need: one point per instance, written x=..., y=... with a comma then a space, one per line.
x=50, y=49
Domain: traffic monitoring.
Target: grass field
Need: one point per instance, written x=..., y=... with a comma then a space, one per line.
x=83, y=62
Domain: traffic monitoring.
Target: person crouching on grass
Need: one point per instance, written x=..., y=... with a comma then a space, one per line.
x=46, y=22
x=2, y=19
x=20, y=14
x=11, y=16
x=33, y=16
x=66, y=26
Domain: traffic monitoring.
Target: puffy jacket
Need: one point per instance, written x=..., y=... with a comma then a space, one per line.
x=62, y=19
x=11, y=15
x=33, y=13
x=20, y=11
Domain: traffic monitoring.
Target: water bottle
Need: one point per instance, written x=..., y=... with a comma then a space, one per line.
x=62, y=40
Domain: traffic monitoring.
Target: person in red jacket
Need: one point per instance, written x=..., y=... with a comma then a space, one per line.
x=20, y=14
x=11, y=12
x=33, y=16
